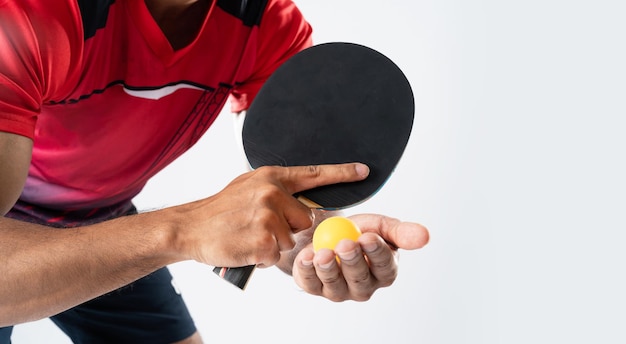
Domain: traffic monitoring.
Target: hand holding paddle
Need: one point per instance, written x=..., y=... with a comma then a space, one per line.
x=332, y=103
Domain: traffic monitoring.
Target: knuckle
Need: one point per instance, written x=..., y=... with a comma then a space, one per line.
x=361, y=279
x=362, y=286
x=387, y=264
x=386, y=283
x=265, y=194
x=265, y=242
x=267, y=172
x=314, y=170
x=265, y=254
x=387, y=279
x=272, y=258
x=264, y=218
x=311, y=285
x=331, y=280
x=289, y=245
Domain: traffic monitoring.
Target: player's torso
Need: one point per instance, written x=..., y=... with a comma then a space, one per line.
x=137, y=104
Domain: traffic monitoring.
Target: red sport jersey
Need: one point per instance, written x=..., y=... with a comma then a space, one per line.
x=109, y=103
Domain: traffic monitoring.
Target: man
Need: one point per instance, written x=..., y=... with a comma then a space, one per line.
x=96, y=97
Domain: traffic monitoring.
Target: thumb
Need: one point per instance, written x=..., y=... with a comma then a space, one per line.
x=404, y=235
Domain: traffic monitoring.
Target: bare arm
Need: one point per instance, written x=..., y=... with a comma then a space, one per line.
x=45, y=271
x=50, y=270
x=15, y=153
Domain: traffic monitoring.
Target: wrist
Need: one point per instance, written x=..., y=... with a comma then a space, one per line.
x=162, y=235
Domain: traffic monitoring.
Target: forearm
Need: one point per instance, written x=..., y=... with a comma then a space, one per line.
x=46, y=270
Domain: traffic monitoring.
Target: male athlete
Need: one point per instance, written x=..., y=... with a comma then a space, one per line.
x=96, y=97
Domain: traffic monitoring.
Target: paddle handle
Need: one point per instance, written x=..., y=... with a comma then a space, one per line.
x=237, y=276
x=240, y=276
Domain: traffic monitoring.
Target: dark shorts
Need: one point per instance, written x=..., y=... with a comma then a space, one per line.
x=149, y=310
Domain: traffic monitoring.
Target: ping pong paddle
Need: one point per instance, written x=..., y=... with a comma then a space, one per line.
x=331, y=103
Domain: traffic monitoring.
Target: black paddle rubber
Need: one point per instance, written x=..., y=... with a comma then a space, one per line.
x=332, y=103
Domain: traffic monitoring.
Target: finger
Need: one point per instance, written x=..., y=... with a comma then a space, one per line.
x=267, y=259
x=304, y=272
x=298, y=216
x=382, y=259
x=284, y=238
x=404, y=235
x=275, y=198
x=356, y=270
x=272, y=234
x=334, y=286
x=300, y=178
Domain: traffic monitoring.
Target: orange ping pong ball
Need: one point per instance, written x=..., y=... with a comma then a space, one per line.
x=332, y=230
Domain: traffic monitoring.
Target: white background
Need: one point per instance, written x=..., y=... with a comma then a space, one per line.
x=516, y=165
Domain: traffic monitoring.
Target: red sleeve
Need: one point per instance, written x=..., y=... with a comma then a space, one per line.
x=282, y=33
x=38, y=43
